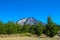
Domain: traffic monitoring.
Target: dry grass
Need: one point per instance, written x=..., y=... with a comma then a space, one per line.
x=15, y=37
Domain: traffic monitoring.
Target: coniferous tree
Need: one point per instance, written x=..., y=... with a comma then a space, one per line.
x=39, y=29
x=10, y=27
x=32, y=29
x=50, y=28
x=1, y=27
x=18, y=28
x=25, y=28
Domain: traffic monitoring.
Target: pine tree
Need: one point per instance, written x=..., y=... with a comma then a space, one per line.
x=18, y=28
x=25, y=28
x=32, y=29
x=39, y=29
x=1, y=27
x=11, y=27
x=50, y=28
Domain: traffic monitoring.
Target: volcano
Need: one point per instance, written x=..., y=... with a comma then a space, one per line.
x=30, y=21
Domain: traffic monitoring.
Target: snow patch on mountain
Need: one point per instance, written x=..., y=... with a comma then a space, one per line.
x=30, y=21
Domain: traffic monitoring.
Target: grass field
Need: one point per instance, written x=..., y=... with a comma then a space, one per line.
x=14, y=37
x=27, y=38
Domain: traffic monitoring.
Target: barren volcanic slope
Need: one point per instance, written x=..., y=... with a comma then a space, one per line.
x=30, y=21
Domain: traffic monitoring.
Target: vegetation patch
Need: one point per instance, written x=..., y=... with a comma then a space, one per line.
x=50, y=29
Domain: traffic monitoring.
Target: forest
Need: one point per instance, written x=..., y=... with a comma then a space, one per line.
x=50, y=29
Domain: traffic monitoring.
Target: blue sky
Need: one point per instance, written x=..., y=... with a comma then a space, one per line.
x=13, y=10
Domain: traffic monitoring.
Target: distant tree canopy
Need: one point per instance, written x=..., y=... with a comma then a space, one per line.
x=50, y=29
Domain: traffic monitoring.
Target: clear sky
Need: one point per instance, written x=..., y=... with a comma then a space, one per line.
x=39, y=9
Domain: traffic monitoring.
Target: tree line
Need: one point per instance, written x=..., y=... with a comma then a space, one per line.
x=50, y=29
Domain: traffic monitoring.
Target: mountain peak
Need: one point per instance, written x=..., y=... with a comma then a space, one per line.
x=30, y=21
